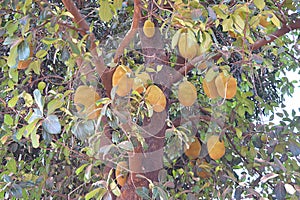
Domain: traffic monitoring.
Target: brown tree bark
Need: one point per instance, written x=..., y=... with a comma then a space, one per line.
x=149, y=162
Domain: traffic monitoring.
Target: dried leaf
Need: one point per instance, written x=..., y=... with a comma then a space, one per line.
x=268, y=177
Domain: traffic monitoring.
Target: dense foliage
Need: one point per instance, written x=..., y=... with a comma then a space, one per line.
x=180, y=95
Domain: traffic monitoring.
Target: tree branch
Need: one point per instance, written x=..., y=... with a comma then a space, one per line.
x=278, y=33
x=132, y=31
x=270, y=38
x=84, y=29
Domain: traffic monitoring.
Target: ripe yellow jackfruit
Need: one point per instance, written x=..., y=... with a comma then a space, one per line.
x=188, y=46
x=156, y=98
x=149, y=28
x=140, y=82
x=215, y=148
x=226, y=86
x=210, y=89
x=187, y=93
x=194, y=149
x=121, y=173
x=85, y=99
x=121, y=79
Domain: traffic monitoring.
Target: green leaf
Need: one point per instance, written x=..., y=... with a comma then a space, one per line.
x=49, y=41
x=26, y=5
x=74, y=47
x=28, y=99
x=35, y=139
x=115, y=189
x=238, y=132
x=118, y=4
x=20, y=132
x=23, y=50
x=143, y=192
x=126, y=145
x=41, y=53
x=13, y=101
x=239, y=23
x=98, y=192
x=30, y=128
x=12, y=165
x=206, y=42
x=13, y=74
x=12, y=26
x=227, y=24
x=38, y=99
x=105, y=12
x=41, y=86
x=159, y=68
x=211, y=74
x=83, y=129
x=65, y=13
x=8, y=120
x=220, y=10
x=51, y=124
x=12, y=58
x=80, y=169
x=35, y=66
x=260, y=4
x=275, y=20
x=53, y=105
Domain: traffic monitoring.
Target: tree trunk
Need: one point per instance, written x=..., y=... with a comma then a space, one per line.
x=148, y=163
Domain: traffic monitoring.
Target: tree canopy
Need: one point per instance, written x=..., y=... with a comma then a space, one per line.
x=167, y=99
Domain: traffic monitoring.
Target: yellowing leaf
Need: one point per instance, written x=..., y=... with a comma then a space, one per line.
x=260, y=4
x=275, y=21
x=254, y=21
x=267, y=177
x=239, y=23
x=175, y=38
x=219, y=10
x=35, y=139
x=227, y=25
x=206, y=43
x=118, y=4
x=105, y=12
x=67, y=14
